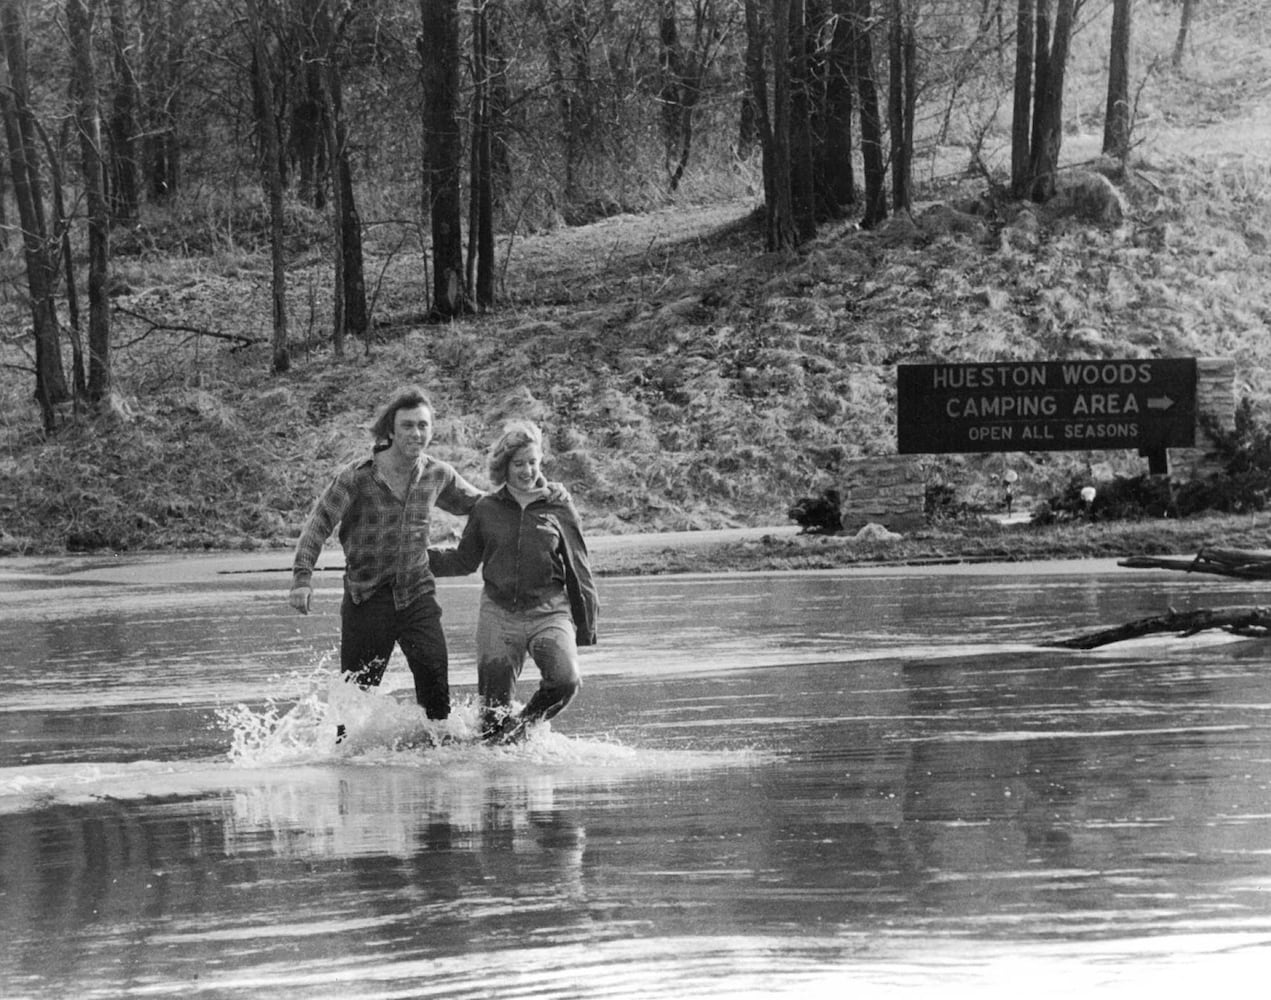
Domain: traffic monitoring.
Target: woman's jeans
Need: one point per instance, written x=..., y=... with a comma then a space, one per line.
x=504, y=638
x=368, y=632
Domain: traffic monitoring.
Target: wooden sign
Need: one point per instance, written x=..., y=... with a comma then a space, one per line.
x=1145, y=404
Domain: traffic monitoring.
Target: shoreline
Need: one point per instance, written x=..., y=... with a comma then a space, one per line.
x=178, y=568
x=986, y=545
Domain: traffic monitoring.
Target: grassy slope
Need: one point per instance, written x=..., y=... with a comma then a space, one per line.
x=686, y=379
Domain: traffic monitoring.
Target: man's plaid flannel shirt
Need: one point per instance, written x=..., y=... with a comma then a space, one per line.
x=385, y=539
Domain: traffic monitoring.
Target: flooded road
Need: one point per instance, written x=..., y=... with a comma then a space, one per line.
x=770, y=785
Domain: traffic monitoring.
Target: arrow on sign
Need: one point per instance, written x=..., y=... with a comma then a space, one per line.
x=1159, y=403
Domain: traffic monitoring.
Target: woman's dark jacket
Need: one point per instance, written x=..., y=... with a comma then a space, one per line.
x=529, y=557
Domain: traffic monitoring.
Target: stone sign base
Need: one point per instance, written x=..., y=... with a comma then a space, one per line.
x=887, y=490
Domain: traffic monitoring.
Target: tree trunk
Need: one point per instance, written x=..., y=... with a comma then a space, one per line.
x=20, y=132
x=1049, y=116
x=1184, y=27
x=780, y=232
x=578, y=107
x=671, y=58
x=443, y=148
x=352, y=317
x=4, y=210
x=122, y=163
x=1041, y=62
x=162, y=55
x=901, y=103
x=1021, y=115
x=88, y=118
x=683, y=70
x=1239, y=563
x=748, y=132
x=832, y=148
x=1250, y=622
x=756, y=108
x=802, y=186
x=272, y=176
x=357, y=318
x=1116, y=122
x=482, y=184
x=62, y=224
x=500, y=96
x=310, y=143
x=871, y=117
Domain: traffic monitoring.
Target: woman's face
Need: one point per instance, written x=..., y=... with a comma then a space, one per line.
x=525, y=467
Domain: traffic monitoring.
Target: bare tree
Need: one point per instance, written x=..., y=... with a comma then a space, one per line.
x=1116, y=122
x=308, y=142
x=684, y=68
x=568, y=32
x=767, y=45
x=121, y=164
x=1043, y=32
x=481, y=169
x=351, y=315
x=902, y=100
x=164, y=30
x=1051, y=64
x=21, y=134
x=1184, y=28
x=60, y=235
x=271, y=173
x=757, y=116
x=79, y=21
x=802, y=176
x=438, y=46
x=4, y=213
x=1022, y=110
x=875, y=163
x=832, y=114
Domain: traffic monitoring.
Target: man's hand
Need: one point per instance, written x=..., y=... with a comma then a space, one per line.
x=557, y=493
x=299, y=598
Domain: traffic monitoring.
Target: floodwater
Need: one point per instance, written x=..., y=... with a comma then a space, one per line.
x=771, y=785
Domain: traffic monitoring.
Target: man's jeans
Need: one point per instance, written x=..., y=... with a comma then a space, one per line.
x=368, y=632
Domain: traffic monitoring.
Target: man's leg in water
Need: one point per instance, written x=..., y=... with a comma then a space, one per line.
x=367, y=634
x=424, y=644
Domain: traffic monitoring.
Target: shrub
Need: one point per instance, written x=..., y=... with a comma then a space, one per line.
x=1244, y=485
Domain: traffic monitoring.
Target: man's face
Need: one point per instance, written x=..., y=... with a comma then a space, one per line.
x=412, y=430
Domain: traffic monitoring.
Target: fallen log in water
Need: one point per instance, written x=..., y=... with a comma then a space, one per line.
x=1251, y=622
x=1224, y=562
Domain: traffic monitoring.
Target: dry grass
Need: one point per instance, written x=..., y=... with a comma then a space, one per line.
x=686, y=380
x=982, y=541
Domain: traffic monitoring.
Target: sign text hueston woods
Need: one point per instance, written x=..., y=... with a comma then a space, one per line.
x=1146, y=404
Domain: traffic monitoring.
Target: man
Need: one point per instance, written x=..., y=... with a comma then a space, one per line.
x=382, y=505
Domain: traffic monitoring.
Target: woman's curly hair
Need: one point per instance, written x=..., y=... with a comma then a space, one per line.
x=516, y=435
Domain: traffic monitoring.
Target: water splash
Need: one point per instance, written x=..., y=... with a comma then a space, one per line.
x=385, y=726
x=290, y=729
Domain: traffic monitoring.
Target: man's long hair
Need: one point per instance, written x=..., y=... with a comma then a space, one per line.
x=386, y=419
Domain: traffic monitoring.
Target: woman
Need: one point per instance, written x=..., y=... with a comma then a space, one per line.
x=538, y=596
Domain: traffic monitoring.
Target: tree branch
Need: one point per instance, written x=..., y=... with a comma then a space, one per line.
x=1251, y=622
x=155, y=326
x=1223, y=562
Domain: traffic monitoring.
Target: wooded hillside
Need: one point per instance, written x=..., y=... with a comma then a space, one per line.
x=686, y=375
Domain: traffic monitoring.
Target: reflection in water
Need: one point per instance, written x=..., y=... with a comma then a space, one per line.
x=769, y=786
